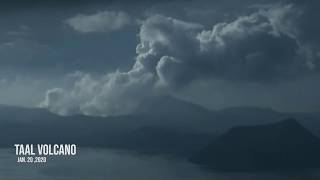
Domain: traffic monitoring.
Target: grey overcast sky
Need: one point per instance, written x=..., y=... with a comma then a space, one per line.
x=104, y=57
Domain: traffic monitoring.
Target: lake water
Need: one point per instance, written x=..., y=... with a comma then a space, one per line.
x=96, y=164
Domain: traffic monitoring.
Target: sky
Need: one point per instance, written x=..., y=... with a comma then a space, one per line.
x=106, y=57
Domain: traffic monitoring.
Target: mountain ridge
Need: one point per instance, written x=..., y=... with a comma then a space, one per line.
x=285, y=145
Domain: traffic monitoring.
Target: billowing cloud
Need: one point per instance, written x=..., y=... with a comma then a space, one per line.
x=113, y=94
x=257, y=47
x=251, y=48
x=121, y=93
x=103, y=21
x=260, y=47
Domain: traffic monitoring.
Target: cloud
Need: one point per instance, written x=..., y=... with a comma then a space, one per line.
x=103, y=21
x=167, y=42
x=251, y=48
x=257, y=47
x=261, y=47
x=120, y=93
x=116, y=93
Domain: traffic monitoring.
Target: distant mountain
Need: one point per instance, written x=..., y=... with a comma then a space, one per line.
x=178, y=113
x=167, y=106
x=285, y=145
x=157, y=123
x=143, y=132
x=195, y=118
